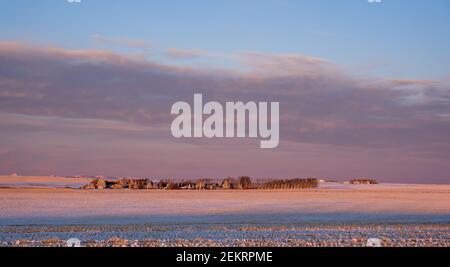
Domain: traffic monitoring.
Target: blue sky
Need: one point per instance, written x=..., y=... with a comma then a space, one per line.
x=394, y=38
x=377, y=106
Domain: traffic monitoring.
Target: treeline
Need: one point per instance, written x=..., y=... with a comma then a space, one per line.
x=363, y=181
x=290, y=184
x=243, y=183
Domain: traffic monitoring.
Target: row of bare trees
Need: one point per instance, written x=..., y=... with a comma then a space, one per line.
x=243, y=183
x=290, y=184
x=363, y=181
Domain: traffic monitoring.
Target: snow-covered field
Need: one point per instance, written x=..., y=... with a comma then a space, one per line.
x=41, y=204
x=418, y=214
x=42, y=182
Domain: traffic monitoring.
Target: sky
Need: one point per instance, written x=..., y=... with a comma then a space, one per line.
x=86, y=88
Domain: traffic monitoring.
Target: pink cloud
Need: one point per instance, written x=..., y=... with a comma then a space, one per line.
x=185, y=53
x=73, y=94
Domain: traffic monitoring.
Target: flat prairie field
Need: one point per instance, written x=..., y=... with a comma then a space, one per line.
x=334, y=214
